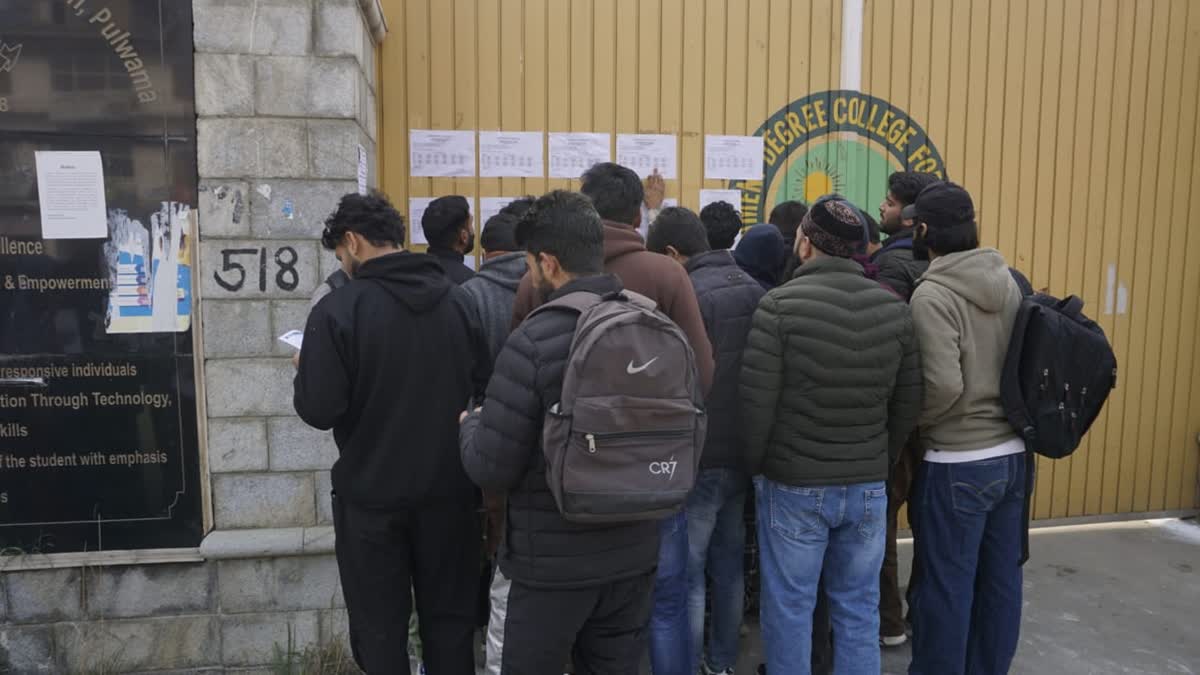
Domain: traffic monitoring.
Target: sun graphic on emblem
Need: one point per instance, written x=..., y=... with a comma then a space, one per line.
x=819, y=177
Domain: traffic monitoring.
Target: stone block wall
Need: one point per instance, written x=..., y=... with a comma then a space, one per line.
x=285, y=94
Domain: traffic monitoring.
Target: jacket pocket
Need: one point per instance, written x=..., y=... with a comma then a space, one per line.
x=795, y=511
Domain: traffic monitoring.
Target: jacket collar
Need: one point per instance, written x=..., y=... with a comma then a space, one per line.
x=600, y=284
x=902, y=239
x=722, y=258
x=829, y=265
x=445, y=254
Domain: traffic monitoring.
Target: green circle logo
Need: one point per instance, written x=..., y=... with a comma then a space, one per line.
x=835, y=141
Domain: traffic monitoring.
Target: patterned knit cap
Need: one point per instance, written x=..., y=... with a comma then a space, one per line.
x=835, y=226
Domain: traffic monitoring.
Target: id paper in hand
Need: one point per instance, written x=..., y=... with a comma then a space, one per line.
x=292, y=338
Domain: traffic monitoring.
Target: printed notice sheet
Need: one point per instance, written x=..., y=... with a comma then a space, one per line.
x=644, y=228
x=490, y=206
x=573, y=153
x=416, y=210
x=362, y=170
x=646, y=152
x=733, y=157
x=71, y=195
x=734, y=197
x=510, y=154
x=441, y=154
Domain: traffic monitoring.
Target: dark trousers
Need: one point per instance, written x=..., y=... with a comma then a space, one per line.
x=966, y=610
x=601, y=629
x=891, y=607
x=385, y=558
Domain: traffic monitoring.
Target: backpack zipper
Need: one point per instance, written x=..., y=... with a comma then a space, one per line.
x=591, y=438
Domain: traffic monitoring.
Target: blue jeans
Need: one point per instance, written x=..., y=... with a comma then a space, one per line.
x=716, y=543
x=966, y=608
x=670, y=646
x=802, y=531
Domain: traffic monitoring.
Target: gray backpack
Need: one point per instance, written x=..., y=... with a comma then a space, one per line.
x=624, y=441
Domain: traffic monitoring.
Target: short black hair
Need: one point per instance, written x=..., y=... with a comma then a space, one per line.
x=615, y=191
x=906, y=185
x=722, y=223
x=444, y=218
x=872, y=227
x=371, y=216
x=565, y=225
x=787, y=216
x=678, y=227
x=517, y=207
x=500, y=233
x=948, y=213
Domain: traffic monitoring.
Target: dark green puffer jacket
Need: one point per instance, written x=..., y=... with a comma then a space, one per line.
x=831, y=378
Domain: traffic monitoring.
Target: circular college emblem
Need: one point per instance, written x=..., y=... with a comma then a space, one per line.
x=835, y=141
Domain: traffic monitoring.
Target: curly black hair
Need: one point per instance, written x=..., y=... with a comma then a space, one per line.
x=906, y=185
x=371, y=216
x=722, y=222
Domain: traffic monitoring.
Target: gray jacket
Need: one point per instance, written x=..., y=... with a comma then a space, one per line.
x=492, y=292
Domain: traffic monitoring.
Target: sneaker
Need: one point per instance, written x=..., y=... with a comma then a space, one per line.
x=893, y=640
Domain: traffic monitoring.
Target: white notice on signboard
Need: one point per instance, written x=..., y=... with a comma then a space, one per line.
x=733, y=157
x=416, y=210
x=490, y=206
x=646, y=152
x=441, y=154
x=515, y=154
x=362, y=170
x=573, y=153
x=71, y=195
x=734, y=197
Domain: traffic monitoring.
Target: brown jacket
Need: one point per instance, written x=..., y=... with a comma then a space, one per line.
x=655, y=276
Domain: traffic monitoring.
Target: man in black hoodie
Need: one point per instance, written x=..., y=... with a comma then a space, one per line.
x=583, y=585
x=387, y=364
x=447, y=224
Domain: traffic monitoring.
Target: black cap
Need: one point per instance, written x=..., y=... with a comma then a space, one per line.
x=943, y=205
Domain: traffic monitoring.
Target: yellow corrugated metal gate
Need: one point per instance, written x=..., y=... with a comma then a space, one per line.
x=1072, y=122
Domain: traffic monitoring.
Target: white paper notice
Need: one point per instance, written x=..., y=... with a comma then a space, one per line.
x=733, y=157
x=416, y=210
x=490, y=206
x=573, y=153
x=71, y=195
x=441, y=154
x=646, y=152
x=515, y=154
x=294, y=338
x=734, y=197
x=469, y=261
x=362, y=170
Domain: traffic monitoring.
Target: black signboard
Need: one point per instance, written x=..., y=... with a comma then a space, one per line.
x=98, y=421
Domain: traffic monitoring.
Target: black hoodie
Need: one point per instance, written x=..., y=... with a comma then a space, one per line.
x=388, y=363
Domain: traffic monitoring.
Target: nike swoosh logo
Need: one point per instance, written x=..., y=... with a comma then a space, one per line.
x=634, y=370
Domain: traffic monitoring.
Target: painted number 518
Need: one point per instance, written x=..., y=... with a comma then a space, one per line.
x=232, y=275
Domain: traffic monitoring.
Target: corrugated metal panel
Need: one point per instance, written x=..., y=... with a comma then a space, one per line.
x=1072, y=122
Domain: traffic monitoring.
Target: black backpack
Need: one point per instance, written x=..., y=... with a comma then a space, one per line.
x=1058, y=372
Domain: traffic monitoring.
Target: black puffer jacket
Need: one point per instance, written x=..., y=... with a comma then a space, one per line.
x=728, y=298
x=897, y=267
x=831, y=378
x=502, y=452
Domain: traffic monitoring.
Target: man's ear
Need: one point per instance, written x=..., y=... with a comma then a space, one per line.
x=673, y=252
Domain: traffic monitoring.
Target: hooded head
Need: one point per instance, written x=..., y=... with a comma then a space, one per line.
x=761, y=253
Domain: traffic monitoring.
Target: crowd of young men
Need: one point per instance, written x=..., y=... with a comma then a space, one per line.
x=828, y=397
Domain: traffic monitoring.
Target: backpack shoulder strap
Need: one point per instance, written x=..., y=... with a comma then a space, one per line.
x=1010, y=377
